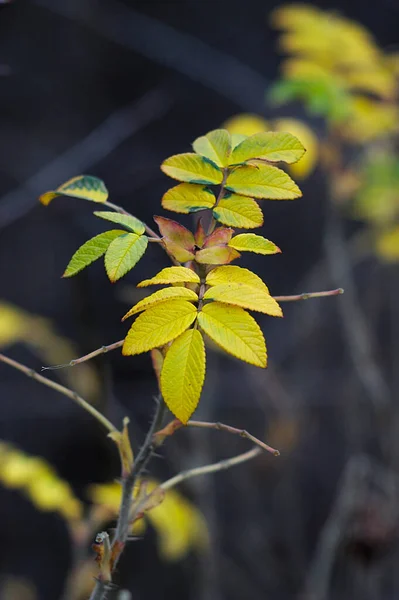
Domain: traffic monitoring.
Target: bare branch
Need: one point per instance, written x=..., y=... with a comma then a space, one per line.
x=213, y=468
x=82, y=359
x=229, y=429
x=309, y=295
x=62, y=390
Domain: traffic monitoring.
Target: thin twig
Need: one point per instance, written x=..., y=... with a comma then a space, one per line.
x=82, y=359
x=229, y=429
x=62, y=390
x=213, y=468
x=309, y=295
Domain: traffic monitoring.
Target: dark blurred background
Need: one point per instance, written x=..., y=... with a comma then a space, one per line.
x=111, y=88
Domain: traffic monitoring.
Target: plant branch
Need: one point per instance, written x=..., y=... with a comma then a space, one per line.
x=82, y=359
x=213, y=468
x=229, y=429
x=62, y=390
x=309, y=295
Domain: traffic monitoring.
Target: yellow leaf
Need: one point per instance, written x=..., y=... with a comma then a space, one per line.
x=238, y=211
x=122, y=440
x=216, y=255
x=186, y=198
x=370, y=119
x=159, y=325
x=216, y=146
x=245, y=296
x=234, y=330
x=246, y=124
x=272, y=146
x=176, y=293
x=264, y=181
x=250, y=242
x=172, y=275
x=183, y=374
x=82, y=186
x=387, y=244
x=192, y=168
x=235, y=274
x=306, y=164
x=13, y=324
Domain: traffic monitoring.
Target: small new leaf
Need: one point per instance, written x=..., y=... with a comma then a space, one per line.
x=271, y=146
x=235, y=274
x=91, y=251
x=127, y=221
x=187, y=198
x=175, y=293
x=238, y=211
x=216, y=146
x=123, y=254
x=250, y=242
x=171, y=275
x=234, y=330
x=82, y=186
x=183, y=374
x=263, y=182
x=192, y=168
x=245, y=296
x=159, y=325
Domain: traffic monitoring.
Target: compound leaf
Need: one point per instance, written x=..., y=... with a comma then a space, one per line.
x=186, y=198
x=159, y=325
x=234, y=330
x=183, y=374
x=264, y=181
x=191, y=168
x=216, y=146
x=250, y=242
x=238, y=211
x=127, y=220
x=91, y=251
x=245, y=296
x=82, y=186
x=123, y=254
x=171, y=275
x=176, y=293
x=235, y=274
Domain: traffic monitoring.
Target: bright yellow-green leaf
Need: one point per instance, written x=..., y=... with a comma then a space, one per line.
x=183, y=374
x=176, y=293
x=192, y=168
x=269, y=145
x=263, y=182
x=238, y=211
x=250, y=242
x=159, y=325
x=216, y=255
x=13, y=324
x=245, y=296
x=83, y=186
x=237, y=138
x=91, y=251
x=123, y=253
x=387, y=244
x=171, y=275
x=186, y=198
x=235, y=274
x=246, y=124
x=127, y=220
x=303, y=132
x=216, y=146
x=234, y=330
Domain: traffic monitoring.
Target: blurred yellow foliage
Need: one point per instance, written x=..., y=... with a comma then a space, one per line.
x=180, y=526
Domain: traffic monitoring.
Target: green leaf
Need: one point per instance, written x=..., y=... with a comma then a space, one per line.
x=83, y=186
x=192, y=168
x=264, y=181
x=238, y=211
x=127, y=220
x=183, y=374
x=269, y=145
x=187, y=198
x=123, y=254
x=216, y=146
x=250, y=242
x=91, y=251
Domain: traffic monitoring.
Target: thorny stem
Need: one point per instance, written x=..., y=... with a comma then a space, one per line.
x=213, y=468
x=62, y=389
x=229, y=429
